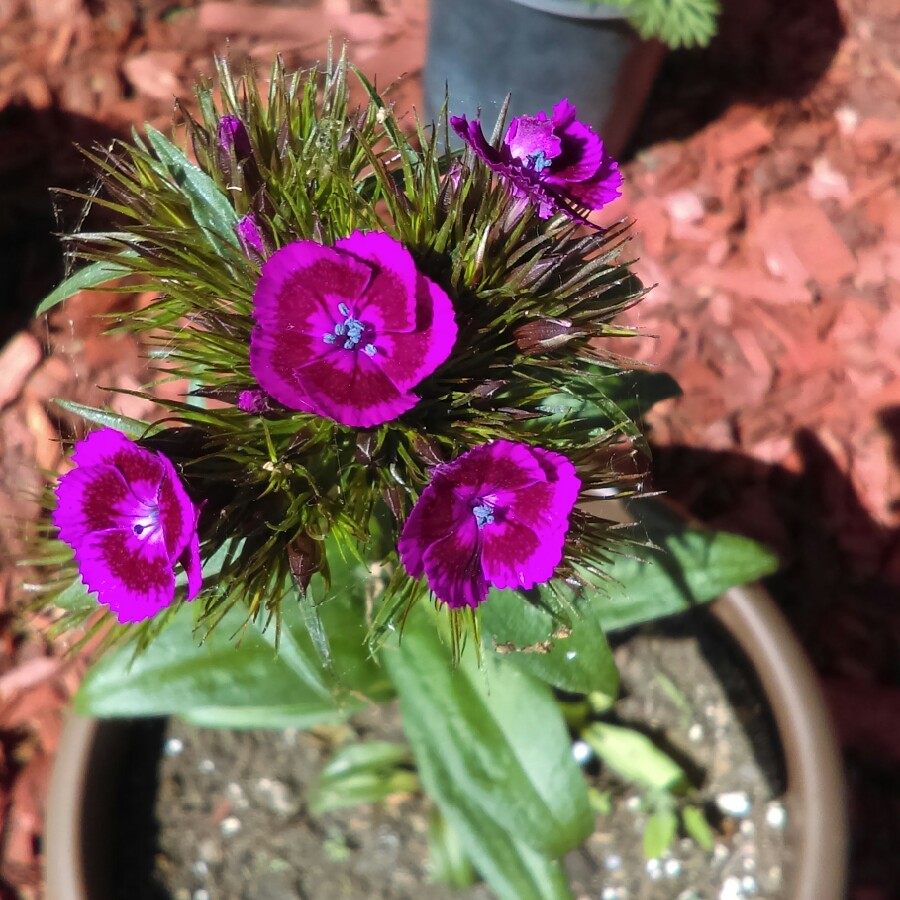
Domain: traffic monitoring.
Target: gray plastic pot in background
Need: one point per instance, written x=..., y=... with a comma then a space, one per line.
x=539, y=51
x=80, y=807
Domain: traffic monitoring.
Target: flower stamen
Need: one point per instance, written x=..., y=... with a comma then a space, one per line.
x=351, y=329
x=484, y=514
x=539, y=161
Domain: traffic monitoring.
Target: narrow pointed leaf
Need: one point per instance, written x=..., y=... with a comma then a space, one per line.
x=93, y=275
x=211, y=209
x=106, y=418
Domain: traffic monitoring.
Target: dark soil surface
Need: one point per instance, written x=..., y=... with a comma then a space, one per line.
x=232, y=820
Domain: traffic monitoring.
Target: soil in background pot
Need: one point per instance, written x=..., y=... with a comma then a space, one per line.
x=229, y=818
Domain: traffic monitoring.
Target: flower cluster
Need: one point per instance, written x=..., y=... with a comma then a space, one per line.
x=402, y=344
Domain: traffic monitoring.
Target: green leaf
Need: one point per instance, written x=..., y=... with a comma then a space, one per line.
x=690, y=566
x=447, y=860
x=90, y=276
x=362, y=755
x=634, y=757
x=636, y=391
x=106, y=418
x=491, y=747
x=581, y=663
x=697, y=826
x=218, y=683
x=601, y=801
x=363, y=772
x=659, y=832
x=212, y=210
x=74, y=597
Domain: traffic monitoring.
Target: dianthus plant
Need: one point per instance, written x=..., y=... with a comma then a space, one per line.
x=398, y=407
x=394, y=356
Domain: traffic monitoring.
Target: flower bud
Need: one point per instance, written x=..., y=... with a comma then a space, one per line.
x=233, y=134
x=541, y=335
x=251, y=239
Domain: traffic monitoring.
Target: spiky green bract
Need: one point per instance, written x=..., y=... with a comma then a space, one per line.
x=532, y=297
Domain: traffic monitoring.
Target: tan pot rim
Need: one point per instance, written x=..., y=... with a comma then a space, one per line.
x=77, y=853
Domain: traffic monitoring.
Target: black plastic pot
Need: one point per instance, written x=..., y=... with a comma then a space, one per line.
x=484, y=49
x=80, y=808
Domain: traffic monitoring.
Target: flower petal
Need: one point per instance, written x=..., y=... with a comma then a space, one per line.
x=531, y=135
x=351, y=389
x=498, y=469
x=437, y=513
x=190, y=559
x=472, y=134
x=389, y=302
x=176, y=512
x=277, y=359
x=141, y=470
x=303, y=278
x=93, y=498
x=513, y=556
x=408, y=358
x=453, y=567
x=132, y=577
x=545, y=507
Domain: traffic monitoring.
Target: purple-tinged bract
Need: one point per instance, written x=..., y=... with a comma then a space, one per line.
x=348, y=331
x=495, y=516
x=559, y=163
x=127, y=516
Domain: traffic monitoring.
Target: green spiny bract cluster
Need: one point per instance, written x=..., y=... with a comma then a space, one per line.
x=288, y=494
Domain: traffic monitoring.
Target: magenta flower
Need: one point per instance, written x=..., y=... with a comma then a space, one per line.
x=497, y=515
x=125, y=513
x=558, y=163
x=348, y=331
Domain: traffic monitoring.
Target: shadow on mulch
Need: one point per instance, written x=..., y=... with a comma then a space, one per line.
x=38, y=153
x=765, y=51
x=839, y=587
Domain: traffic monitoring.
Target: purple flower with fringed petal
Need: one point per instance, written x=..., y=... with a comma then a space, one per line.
x=497, y=515
x=348, y=331
x=125, y=513
x=558, y=163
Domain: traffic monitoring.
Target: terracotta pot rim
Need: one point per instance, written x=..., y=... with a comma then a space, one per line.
x=815, y=779
x=76, y=852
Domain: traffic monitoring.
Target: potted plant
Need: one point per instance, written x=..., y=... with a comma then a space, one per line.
x=393, y=492
x=604, y=57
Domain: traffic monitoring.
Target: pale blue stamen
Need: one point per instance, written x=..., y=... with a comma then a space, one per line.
x=350, y=328
x=538, y=160
x=484, y=514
